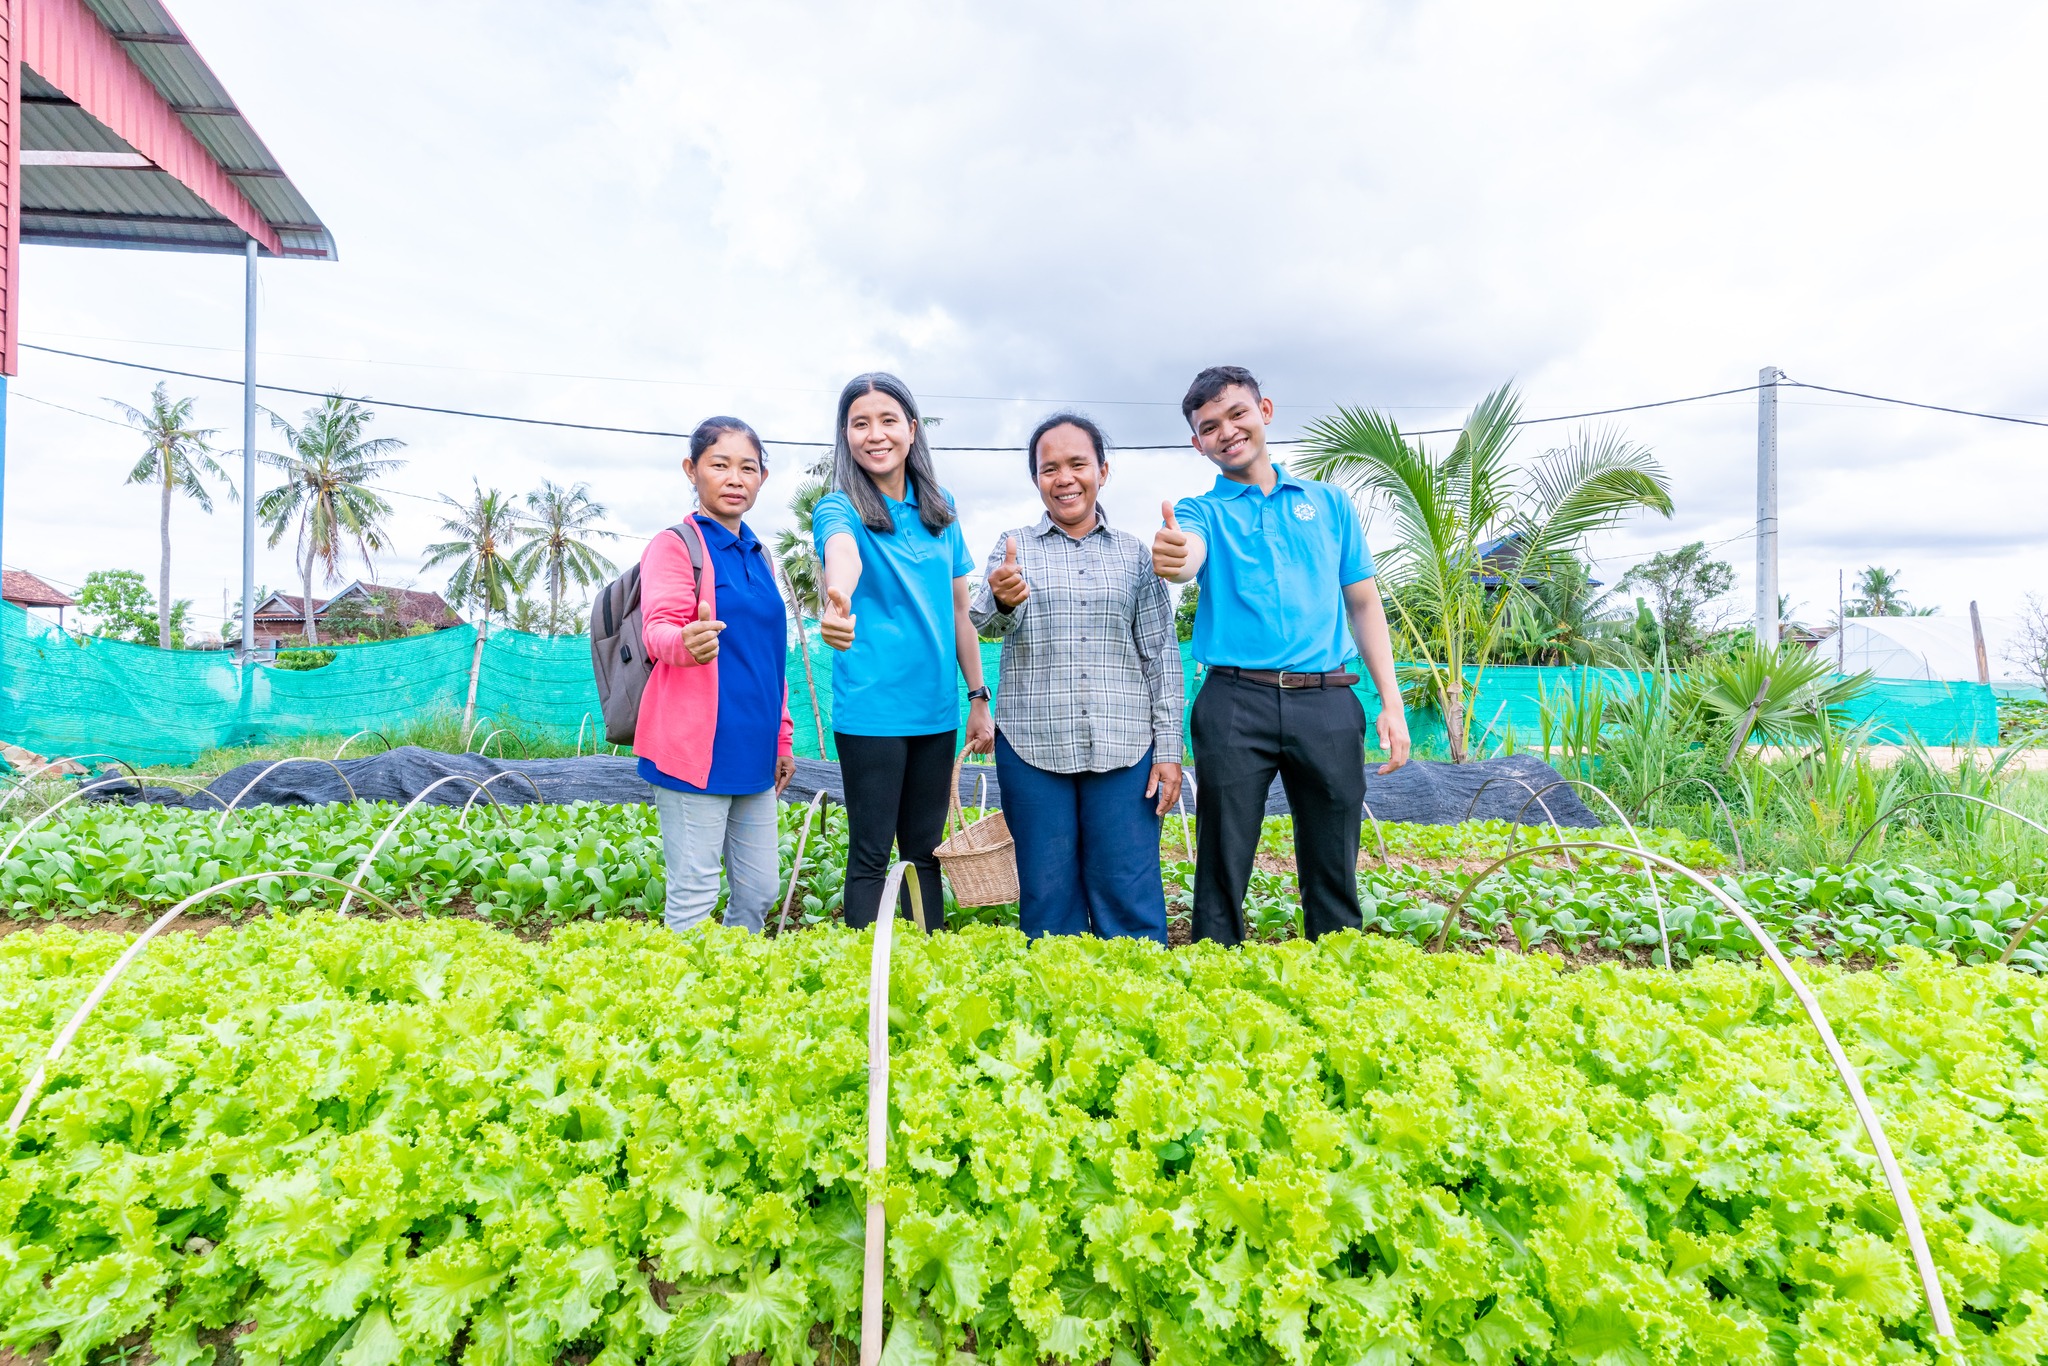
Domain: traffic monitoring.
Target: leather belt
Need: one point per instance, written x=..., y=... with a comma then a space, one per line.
x=1278, y=678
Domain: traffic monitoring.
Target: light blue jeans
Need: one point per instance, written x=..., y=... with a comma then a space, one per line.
x=698, y=830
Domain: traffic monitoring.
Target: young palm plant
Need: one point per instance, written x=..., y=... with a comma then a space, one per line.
x=798, y=562
x=557, y=550
x=328, y=470
x=177, y=460
x=1448, y=508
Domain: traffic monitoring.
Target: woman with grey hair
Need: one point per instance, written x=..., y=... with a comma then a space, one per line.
x=895, y=587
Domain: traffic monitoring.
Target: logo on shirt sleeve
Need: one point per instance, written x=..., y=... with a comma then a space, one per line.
x=1305, y=511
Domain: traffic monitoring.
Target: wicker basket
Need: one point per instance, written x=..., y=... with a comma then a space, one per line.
x=980, y=860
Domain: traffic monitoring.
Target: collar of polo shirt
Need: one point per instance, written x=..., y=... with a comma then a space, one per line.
x=1226, y=487
x=1047, y=525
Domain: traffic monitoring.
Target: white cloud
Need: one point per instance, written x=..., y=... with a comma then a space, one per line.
x=1398, y=205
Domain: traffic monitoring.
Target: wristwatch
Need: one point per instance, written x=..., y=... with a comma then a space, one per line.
x=978, y=695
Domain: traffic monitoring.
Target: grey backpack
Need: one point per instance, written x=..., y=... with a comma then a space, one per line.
x=617, y=653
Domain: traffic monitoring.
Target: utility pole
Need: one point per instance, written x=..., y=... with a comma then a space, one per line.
x=248, y=454
x=1977, y=637
x=1767, y=506
x=1841, y=621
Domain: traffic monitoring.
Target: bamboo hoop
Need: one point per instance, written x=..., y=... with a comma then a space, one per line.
x=1643, y=807
x=878, y=1106
x=579, y=734
x=343, y=747
x=1635, y=838
x=1379, y=836
x=796, y=866
x=53, y=808
x=19, y=782
x=362, y=869
x=1555, y=832
x=295, y=759
x=2020, y=935
x=121, y=964
x=1909, y=1214
x=483, y=789
x=1187, y=829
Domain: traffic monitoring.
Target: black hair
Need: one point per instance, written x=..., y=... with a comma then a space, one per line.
x=857, y=484
x=711, y=428
x=1085, y=424
x=1211, y=383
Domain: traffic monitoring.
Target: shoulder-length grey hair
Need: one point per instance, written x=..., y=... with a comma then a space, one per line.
x=849, y=478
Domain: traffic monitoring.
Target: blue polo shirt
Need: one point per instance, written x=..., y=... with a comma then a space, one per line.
x=753, y=651
x=1277, y=564
x=898, y=677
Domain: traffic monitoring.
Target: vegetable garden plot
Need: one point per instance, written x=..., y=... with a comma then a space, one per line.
x=543, y=866
x=379, y=1143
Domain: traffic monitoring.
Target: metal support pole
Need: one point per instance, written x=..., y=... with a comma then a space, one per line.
x=1767, y=507
x=3, y=464
x=249, y=456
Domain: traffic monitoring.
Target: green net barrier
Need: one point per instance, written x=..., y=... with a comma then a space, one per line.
x=1507, y=707
x=60, y=695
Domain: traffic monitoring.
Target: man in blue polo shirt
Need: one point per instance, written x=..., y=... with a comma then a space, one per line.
x=1287, y=588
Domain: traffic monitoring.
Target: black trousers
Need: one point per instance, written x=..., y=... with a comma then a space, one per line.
x=1314, y=738
x=895, y=794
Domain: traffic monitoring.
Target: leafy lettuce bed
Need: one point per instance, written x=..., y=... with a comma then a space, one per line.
x=366, y=1144
x=549, y=865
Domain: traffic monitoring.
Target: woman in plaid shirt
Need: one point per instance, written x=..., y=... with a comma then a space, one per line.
x=1088, y=706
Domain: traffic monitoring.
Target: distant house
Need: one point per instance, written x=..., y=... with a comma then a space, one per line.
x=282, y=616
x=1501, y=557
x=26, y=590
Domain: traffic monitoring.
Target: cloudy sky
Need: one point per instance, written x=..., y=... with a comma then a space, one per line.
x=645, y=213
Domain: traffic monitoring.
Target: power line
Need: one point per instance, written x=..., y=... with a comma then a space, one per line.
x=816, y=445
x=1909, y=403
x=381, y=402
x=677, y=383
x=78, y=412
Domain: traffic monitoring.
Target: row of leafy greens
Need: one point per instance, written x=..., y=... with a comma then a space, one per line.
x=325, y=1140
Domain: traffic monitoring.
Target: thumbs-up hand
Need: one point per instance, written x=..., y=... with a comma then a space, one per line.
x=700, y=637
x=1169, y=546
x=837, y=623
x=1006, y=580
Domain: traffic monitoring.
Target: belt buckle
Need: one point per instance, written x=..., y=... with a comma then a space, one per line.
x=1284, y=676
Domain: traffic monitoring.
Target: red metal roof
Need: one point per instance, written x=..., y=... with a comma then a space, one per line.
x=408, y=606
x=20, y=586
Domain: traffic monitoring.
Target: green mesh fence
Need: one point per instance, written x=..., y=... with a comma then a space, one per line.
x=59, y=695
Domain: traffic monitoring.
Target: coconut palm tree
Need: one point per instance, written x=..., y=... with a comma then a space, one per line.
x=558, y=521
x=177, y=459
x=328, y=470
x=1881, y=592
x=486, y=577
x=1449, y=511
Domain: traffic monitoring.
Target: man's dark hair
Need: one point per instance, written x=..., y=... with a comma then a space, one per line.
x=1211, y=383
x=1087, y=427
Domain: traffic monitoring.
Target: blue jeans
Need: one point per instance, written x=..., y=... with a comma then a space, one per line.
x=1087, y=849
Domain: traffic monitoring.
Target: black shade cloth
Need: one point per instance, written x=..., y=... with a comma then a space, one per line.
x=1422, y=793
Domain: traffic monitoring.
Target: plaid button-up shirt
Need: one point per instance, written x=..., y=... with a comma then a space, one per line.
x=1091, y=669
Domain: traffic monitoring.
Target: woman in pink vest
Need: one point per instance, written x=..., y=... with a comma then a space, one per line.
x=714, y=733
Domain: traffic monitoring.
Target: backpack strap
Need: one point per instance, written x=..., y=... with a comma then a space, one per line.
x=694, y=543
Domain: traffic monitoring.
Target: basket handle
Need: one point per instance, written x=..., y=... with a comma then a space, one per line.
x=955, y=821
